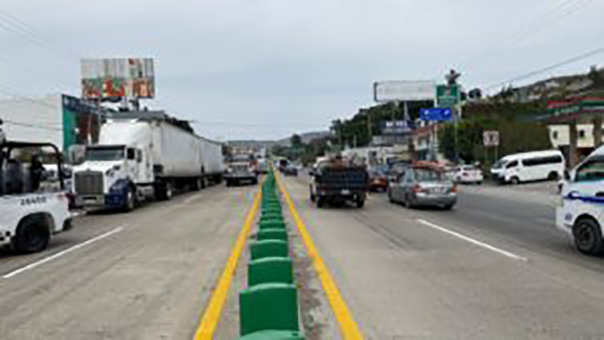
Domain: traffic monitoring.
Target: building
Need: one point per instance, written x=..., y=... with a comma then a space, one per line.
x=559, y=135
x=59, y=119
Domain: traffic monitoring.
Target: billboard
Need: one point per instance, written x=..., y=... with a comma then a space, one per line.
x=116, y=78
x=402, y=91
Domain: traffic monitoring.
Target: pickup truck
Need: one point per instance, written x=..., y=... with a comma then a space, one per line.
x=337, y=182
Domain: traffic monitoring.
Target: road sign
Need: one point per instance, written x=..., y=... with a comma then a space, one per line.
x=396, y=127
x=440, y=114
x=447, y=95
x=490, y=138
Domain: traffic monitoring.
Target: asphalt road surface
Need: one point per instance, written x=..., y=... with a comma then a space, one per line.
x=493, y=268
x=144, y=275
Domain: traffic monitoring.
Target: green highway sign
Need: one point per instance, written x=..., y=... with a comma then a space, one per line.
x=447, y=95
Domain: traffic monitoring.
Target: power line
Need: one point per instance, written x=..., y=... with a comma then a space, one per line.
x=526, y=31
x=549, y=68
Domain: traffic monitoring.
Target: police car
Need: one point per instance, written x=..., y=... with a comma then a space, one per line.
x=581, y=210
x=33, y=205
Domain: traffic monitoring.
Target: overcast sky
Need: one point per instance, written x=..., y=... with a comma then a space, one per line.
x=258, y=69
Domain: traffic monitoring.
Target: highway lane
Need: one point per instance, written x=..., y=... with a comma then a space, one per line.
x=406, y=279
x=149, y=280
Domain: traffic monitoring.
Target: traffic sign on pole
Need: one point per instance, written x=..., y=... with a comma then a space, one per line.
x=440, y=114
x=490, y=138
x=447, y=95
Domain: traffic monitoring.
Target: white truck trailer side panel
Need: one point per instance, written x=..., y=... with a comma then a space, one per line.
x=33, y=120
x=176, y=150
x=213, y=161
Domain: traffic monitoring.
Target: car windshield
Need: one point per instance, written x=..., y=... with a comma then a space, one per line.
x=105, y=153
x=500, y=164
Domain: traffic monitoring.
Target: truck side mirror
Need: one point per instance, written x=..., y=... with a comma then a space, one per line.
x=131, y=154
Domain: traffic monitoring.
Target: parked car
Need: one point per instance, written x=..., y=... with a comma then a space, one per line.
x=529, y=166
x=337, y=182
x=423, y=185
x=468, y=174
x=580, y=212
x=378, y=178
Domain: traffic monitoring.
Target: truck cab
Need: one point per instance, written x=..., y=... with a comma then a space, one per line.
x=33, y=204
x=110, y=174
x=580, y=212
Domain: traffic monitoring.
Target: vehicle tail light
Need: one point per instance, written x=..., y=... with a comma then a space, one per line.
x=418, y=188
x=454, y=188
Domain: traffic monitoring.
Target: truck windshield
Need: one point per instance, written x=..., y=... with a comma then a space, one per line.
x=105, y=153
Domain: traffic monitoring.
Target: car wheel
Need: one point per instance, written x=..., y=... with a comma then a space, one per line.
x=553, y=176
x=390, y=198
x=588, y=237
x=32, y=235
x=515, y=180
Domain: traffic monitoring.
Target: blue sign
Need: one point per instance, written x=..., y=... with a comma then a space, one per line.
x=396, y=127
x=440, y=114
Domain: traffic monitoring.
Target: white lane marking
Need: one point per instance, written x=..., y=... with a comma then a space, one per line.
x=61, y=253
x=473, y=241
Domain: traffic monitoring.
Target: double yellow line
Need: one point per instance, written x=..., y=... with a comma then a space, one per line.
x=209, y=321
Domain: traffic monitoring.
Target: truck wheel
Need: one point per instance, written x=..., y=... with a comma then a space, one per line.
x=552, y=176
x=197, y=184
x=32, y=235
x=130, y=203
x=228, y=183
x=360, y=203
x=164, y=191
x=312, y=197
x=588, y=236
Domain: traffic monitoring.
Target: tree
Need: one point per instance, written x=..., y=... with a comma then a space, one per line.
x=296, y=141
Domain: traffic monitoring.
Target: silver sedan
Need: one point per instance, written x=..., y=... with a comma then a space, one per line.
x=423, y=187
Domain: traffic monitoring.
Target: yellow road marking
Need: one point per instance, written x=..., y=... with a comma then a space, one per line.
x=212, y=314
x=348, y=327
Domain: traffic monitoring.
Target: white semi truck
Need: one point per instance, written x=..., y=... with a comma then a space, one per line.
x=142, y=155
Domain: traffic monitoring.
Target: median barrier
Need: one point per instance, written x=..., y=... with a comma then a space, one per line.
x=279, y=234
x=269, y=306
x=268, y=248
x=270, y=270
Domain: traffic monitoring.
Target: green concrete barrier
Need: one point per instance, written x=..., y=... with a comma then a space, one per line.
x=269, y=306
x=272, y=224
x=273, y=335
x=272, y=234
x=272, y=215
x=270, y=270
x=268, y=248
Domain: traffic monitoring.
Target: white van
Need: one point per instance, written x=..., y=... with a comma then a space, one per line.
x=529, y=166
x=581, y=210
